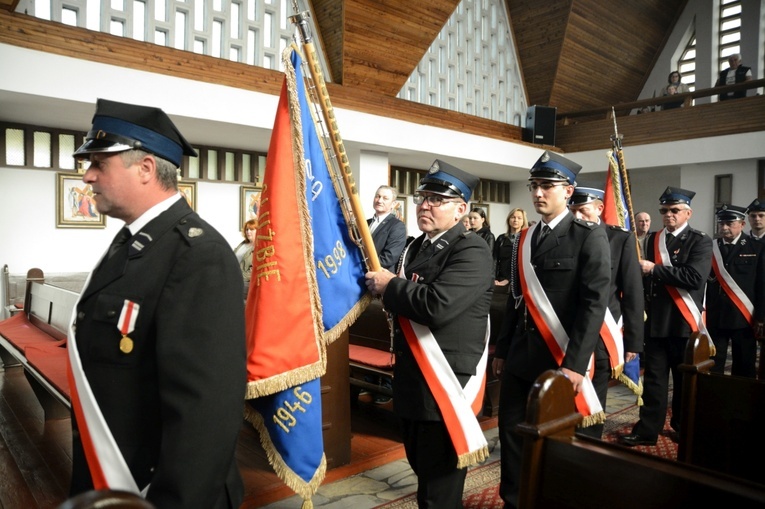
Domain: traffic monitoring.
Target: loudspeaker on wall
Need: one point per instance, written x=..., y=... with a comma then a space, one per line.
x=540, y=125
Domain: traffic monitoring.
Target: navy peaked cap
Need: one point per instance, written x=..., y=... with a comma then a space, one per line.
x=756, y=206
x=584, y=195
x=730, y=213
x=673, y=195
x=443, y=178
x=551, y=166
x=119, y=126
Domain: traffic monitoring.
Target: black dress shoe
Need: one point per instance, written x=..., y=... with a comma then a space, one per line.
x=634, y=439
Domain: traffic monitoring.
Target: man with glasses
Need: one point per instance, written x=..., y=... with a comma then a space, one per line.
x=674, y=276
x=736, y=293
x=440, y=303
x=560, y=285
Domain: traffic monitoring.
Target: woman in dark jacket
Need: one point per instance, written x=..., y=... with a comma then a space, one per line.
x=503, y=248
x=480, y=225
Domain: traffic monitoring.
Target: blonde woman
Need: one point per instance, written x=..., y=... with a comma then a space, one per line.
x=503, y=248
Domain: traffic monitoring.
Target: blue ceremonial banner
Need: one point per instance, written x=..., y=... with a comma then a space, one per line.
x=307, y=287
x=339, y=262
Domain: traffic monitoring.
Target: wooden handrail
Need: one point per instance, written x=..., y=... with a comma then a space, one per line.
x=687, y=97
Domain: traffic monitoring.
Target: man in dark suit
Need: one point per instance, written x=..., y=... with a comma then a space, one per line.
x=440, y=331
x=388, y=233
x=157, y=346
x=736, y=293
x=389, y=237
x=625, y=302
x=674, y=275
x=553, y=320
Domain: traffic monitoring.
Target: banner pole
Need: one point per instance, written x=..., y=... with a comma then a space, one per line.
x=341, y=158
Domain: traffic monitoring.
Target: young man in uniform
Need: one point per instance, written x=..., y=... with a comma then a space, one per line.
x=560, y=286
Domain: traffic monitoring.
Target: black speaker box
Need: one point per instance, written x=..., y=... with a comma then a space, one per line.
x=540, y=125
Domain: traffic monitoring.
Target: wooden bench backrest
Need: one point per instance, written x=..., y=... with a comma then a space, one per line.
x=50, y=308
x=564, y=471
x=723, y=417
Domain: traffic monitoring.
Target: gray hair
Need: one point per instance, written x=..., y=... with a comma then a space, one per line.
x=167, y=172
x=393, y=191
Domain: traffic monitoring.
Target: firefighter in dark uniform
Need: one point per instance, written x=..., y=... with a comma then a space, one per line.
x=447, y=292
x=625, y=302
x=674, y=276
x=572, y=265
x=159, y=329
x=737, y=280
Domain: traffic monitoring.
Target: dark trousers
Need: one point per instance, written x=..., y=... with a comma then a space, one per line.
x=431, y=455
x=743, y=349
x=513, y=396
x=662, y=357
x=600, y=380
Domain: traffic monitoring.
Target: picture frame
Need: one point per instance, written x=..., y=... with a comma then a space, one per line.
x=75, y=206
x=399, y=209
x=484, y=206
x=249, y=203
x=189, y=191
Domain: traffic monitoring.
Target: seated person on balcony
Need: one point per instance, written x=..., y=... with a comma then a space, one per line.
x=674, y=86
x=735, y=73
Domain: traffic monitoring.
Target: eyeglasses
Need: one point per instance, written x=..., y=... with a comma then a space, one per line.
x=545, y=186
x=434, y=200
x=674, y=210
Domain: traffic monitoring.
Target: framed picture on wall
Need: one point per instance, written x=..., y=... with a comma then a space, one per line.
x=75, y=206
x=399, y=209
x=249, y=203
x=484, y=206
x=189, y=191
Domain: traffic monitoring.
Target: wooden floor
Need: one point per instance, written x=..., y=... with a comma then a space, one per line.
x=35, y=455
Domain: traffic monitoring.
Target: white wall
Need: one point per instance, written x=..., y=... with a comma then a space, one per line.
x=29, y=237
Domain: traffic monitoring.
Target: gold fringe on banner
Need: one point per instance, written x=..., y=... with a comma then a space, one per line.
x=304, y=489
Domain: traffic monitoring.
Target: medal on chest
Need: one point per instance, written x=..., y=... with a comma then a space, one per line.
x=126, y=325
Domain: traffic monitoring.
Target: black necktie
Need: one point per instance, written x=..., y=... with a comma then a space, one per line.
x=423, y=248
x=543, y=234
x=119, y=240
x=726, y=248
x=669, y=238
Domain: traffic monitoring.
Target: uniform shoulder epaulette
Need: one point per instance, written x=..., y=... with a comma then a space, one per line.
x=698, y=232
x=587, y=224
x=618, y=228
x=191, y=228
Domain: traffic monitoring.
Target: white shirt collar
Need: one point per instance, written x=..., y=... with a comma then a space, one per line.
x=678, y=231
x=153, y=212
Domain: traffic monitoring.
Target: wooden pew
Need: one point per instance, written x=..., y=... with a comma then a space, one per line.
x=369, y=349
x=563, y=471
x=723, y=417
x=36, y=341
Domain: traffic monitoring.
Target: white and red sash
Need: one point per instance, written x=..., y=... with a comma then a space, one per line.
x=458, y=406
x=107, y=466
x=551, y=329
x=613, y=338
x=683, y=300
x=729, y=285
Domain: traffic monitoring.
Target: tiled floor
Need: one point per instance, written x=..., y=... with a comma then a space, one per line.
x=395, y=480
